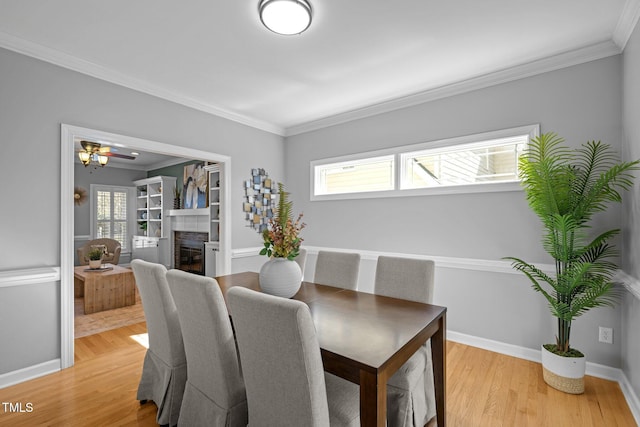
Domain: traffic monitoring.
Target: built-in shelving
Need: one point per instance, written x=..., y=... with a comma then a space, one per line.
x=214, y=202
x=151, y=239
x=153, y=195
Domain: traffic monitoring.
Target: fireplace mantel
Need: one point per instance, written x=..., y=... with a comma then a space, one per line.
x=189, y=212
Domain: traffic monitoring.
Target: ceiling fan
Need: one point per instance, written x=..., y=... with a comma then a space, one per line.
x=94, y=151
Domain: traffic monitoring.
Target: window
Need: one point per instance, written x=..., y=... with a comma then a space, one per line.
x=474, y=163
x=110, y=213
x=358, y=176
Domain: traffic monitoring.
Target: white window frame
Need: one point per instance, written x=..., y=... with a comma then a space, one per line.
x=131, y=214
x=400, y=152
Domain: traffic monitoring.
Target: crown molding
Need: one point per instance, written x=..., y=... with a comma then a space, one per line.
x=56, y=57
x=566, y=59
x=555, y=62
x=626, y=23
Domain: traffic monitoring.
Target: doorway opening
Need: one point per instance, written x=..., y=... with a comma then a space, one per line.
x=69, y=136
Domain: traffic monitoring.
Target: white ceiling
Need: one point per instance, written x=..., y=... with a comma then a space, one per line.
x=358, y=57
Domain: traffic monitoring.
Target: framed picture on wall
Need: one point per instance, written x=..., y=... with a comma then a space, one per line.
x=194, y=191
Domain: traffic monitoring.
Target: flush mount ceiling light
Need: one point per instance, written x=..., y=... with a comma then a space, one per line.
x=285, y=17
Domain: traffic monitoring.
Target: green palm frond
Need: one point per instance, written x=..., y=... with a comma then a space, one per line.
x=285, y=206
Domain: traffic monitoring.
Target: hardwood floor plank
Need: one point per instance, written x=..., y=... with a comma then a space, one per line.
x=483, y=389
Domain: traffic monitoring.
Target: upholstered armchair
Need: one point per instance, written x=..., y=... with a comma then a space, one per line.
x=110, y=247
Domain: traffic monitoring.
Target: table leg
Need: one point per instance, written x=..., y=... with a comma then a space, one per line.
x=438, y=353
x=373, y=400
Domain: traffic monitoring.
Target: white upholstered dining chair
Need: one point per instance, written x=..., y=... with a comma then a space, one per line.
x=410, y=391
x=339, y=269
x=301, y=259
x=164, y=370
x=282, y=367
x=214, y=394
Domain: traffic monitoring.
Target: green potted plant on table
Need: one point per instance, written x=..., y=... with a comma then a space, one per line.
x=281, y=275
x=565, y=188
x=95, y=258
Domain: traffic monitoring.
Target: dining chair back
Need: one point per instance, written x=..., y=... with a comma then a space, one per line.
x=405, y=278
x=301, y=259
x=282, y=366
x=214, y=394
x=164, y=370
x=339, y=269
x=410, y=391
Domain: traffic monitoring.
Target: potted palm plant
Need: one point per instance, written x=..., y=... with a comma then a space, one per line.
x=565, y=188
x=281, y=275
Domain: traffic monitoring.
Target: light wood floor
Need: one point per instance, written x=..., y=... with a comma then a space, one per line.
x=483, y=389
x=93, y=323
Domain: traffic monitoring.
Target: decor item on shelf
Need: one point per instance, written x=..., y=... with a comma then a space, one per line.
x=195, y=186
x=143, y=227
x=281, y=275
x=259, y=195
x=79, y=195
x=96, y=153
x=176, y=197
x=286, y=17
x=95, y=258
x=565, y=188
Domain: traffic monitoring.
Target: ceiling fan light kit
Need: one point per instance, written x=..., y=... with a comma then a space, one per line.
x=286, y=17
x=92, y=153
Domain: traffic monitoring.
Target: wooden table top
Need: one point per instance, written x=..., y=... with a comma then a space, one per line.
x=81, y=271
x=363, y=327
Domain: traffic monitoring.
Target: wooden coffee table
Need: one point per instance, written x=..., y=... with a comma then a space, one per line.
x=104, y=290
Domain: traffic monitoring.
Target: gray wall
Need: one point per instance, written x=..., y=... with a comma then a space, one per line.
x=579, y=103
x=35, y=98
x=631, y=104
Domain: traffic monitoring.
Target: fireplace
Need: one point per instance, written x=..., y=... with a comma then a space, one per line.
x=189, y=251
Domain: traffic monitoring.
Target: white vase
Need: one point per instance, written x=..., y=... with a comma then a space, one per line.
x=563, y=373
x=280, y=277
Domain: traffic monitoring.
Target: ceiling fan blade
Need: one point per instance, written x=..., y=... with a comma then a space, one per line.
x=118, y=155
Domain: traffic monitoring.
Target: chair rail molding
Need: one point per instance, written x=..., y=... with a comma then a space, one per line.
x=29, y=276
x=491, y=265
x=629, y=282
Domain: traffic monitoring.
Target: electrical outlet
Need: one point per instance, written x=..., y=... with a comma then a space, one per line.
x=606, y=335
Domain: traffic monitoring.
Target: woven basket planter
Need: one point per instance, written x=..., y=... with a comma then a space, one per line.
x=563, y=373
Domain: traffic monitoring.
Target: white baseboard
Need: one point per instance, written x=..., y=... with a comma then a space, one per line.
x=593, y=369
x=29, y=373
x=631, y=396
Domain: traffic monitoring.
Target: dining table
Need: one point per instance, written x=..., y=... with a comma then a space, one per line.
x=365, y=338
